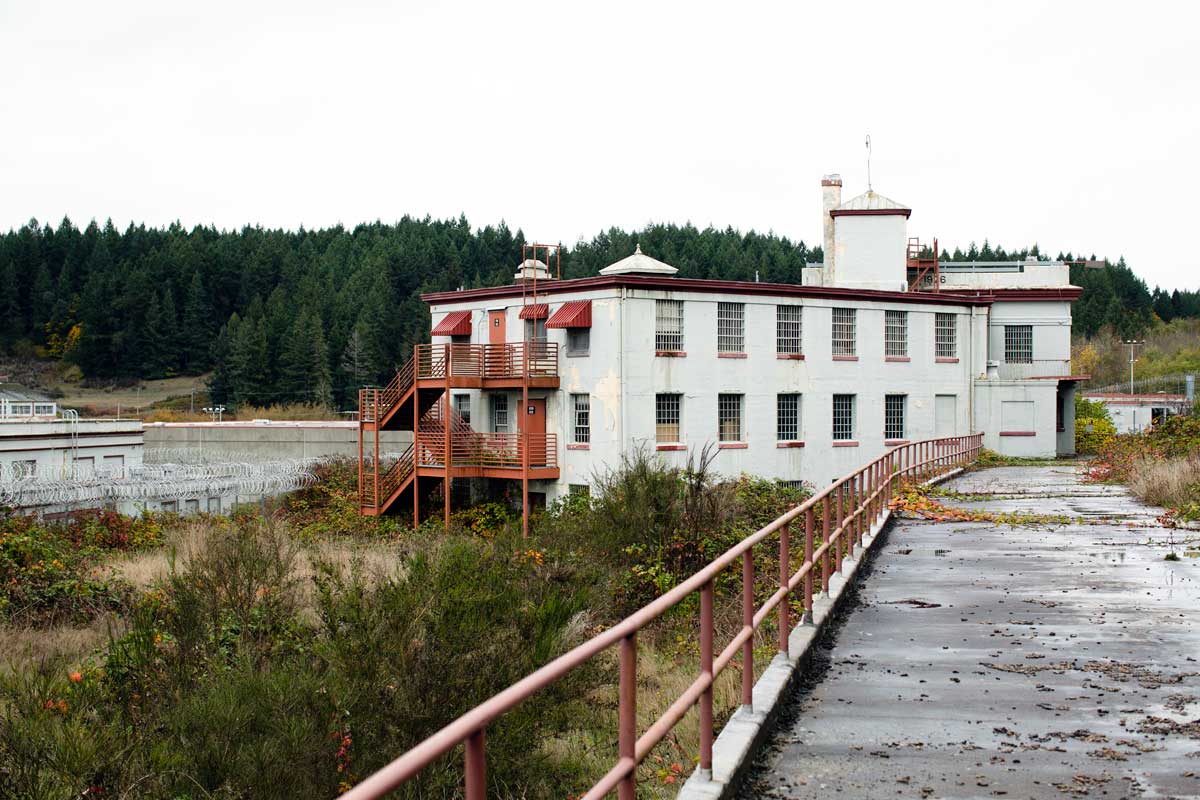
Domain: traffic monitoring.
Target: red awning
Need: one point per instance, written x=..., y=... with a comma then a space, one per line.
x=575, y=314
x=535, y=311
x=456, y=323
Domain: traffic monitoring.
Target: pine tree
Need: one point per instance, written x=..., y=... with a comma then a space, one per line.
x=11, y=321
x=196, y=335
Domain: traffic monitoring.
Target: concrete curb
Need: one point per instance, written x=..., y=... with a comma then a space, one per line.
x=746, y=729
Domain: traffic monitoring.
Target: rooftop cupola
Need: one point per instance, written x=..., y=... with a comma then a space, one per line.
x=532, y=269
x=870, y=240
x=639, y=264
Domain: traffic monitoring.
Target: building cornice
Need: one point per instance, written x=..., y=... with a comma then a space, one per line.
x=1069, y=293
x=668, y=284
x=871, y=212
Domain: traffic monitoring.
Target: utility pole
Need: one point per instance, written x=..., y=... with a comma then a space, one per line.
x=1132, y=344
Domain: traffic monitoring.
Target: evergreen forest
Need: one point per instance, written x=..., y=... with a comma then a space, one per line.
x=308, y=316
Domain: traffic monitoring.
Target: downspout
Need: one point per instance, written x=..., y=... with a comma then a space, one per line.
x=621, y=368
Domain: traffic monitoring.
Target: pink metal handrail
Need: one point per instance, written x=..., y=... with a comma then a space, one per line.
x=855, y=503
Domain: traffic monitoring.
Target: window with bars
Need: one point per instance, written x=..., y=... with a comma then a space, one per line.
x=1018, y=344
x=535, y=330
x=893, y=416
x=579, y=341
x=946, y=336
x=895, y=333
x=668, y=325
x=729, y=417
x=843, y=417
x=500, y=413
x=462, y=404
x=845, y=322
x=787, y=418
x=581, y=432
x=787, y=330
x=731, y=327
x=666, y=417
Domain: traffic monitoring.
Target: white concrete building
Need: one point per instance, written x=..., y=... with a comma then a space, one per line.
x=795, y=382
x=1132, y=413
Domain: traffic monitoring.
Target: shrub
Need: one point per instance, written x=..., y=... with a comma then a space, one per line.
x=1090, y=442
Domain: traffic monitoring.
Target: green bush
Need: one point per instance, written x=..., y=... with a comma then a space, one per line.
x=1090, y=442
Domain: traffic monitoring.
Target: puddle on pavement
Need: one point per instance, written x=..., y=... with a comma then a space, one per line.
x=940, y=552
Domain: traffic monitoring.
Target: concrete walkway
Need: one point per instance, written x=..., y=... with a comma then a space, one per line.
x=985, y=661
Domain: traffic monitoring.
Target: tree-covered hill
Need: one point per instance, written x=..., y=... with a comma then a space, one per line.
x=308, y=316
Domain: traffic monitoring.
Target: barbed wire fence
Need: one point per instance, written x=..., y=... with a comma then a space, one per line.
x=166, y=475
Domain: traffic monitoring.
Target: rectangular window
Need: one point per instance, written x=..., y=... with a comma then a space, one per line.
x=1018, y=344
x=946, y=336
x=579, y=490
x=731, y=327
x=843, y=417
x=114, y=466
x=893, y=416
x=844, y=336
x=668, y=325
x=500, y=413
x=895, y=333
x=787, y=418
x=170, y=506
x=579, y=340
x=666, y=417
x=43, y=409
x=535, y=330
x=582, y=429
x=191, y=506
x=24, y=469
x=462, y=404
x=214, y=505
x=787, y=330
x=729, y=417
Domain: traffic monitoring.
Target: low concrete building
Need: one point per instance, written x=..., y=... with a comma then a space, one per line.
x=1132, y=413
x=267, y=440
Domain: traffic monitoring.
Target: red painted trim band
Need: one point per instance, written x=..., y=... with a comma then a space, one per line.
x=894, y=442
x=845, y=443
x=731, y=355
x=789, y=444
x=898, y=359
x=790, y=356
x=845, y=358
x=670, y=447
x=1018, y=433
x=732, y=446
x=871, y=212
x=944, y=360
x=670, y=353
x=579, y=447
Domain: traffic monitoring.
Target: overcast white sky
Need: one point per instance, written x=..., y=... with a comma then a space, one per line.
x=1074, y=125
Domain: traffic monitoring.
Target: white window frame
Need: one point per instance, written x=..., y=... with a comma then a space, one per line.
x=731, y=327
x=895, y=416
x=500, y=413
x=1018, y=344
x=844, y=332
x=945, y=335
x=730, y=419
x=787, y=417
x=895, y=333
x=581, y=422
x=668, y=326
x=843, y=430
x=789, y=330
x=668, y=418
x=462, y=404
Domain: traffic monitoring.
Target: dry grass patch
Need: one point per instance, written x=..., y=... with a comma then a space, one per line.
x=24, y=647
x=1169, y=483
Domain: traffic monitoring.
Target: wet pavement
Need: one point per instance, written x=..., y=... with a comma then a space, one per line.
x=1043, y=661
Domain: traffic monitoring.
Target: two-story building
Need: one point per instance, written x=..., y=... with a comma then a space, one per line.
x=551, y=381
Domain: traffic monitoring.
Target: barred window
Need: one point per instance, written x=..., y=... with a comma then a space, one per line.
x=946, y=336
x=579, y=490
x=666, y=417
x=582, y=429
x=787, y=418
x=462, y=404
x=787, y=330
x=844, y=325
x=895, y=333
x=731, y=327
x=579, y=341
x=893, y=416
x=668, y=325
x=500, y=413
x=843, y=417
x=1018, y=344
x=729, y=417
x=535, y=330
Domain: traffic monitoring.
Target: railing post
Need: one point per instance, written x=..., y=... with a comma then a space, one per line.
x=825, y=558
x=840, y=533
x=808, y=559
x=627, y=717
x=476, y=767
x=785, y=574
x=748, y=624
x=375, y=462
x=706, y=670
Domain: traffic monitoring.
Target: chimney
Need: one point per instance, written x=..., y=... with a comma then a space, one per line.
x=831, y=198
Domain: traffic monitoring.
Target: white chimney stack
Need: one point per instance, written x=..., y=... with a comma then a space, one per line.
x=831, y=198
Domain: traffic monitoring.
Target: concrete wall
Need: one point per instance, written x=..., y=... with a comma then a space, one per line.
x=870, y=252
x=1003, y=275
x=1017, y=418
x=266, y=441
x=1051, y=323
x=50, y=447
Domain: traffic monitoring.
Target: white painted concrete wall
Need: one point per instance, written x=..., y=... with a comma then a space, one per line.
x=1025, y=274
x=871, y=252
x=1051, y=323
x=48, y=445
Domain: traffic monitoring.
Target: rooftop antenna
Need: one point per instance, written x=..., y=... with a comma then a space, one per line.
x=868, y=162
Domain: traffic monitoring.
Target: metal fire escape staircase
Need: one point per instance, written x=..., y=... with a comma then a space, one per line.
x=922, y=263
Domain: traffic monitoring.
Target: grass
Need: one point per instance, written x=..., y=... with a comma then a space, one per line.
x=293, y=652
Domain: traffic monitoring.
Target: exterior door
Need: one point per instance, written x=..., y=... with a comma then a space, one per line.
x=498, y=362
x=534, y=420
x=497, y=328
x=945, y=411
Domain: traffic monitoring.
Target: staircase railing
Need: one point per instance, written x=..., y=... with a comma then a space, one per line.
x=389, y=481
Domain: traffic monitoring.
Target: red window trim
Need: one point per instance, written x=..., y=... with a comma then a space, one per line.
x=845, y=443
x=670, y=447
x=731, y=355
x=898, y=358
x=894, y=442
x=790, y=356
x=670, y=353
x=579, y=447
x=946, y=360
x=790, y=444
x=845, y=358
x=1018, y=433
x=732, y=446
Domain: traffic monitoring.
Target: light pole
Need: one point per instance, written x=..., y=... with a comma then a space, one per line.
x=1132, y=344
x=214, y=411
